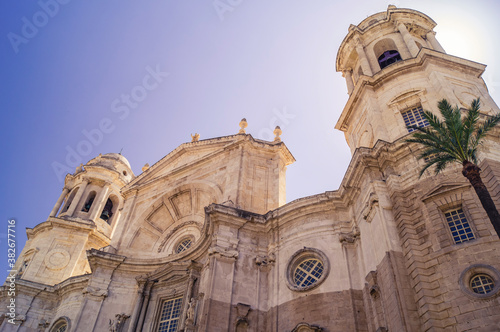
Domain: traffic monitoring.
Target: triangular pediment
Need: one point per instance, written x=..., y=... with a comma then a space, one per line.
x=443, y=189
x=184, y=156
x=189, y=155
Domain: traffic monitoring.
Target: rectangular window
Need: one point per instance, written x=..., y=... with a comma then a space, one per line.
x=169, y=315
x=414, y=117
x=459, y=226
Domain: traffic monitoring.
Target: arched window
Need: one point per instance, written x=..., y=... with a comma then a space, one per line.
x=388, y=58
x=67, y=204
x=88, y=204
x=107, y=212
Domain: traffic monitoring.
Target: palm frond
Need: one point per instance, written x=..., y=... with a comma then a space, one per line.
x=470, y=121
x=454, y=138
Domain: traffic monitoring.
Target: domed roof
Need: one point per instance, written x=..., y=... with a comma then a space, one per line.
x=117, y=156
x=112, y=161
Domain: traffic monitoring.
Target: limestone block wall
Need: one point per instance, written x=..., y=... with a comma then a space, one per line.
x=435, y=264
x=56, y=249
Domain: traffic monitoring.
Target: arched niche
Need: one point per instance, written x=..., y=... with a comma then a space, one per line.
x=386, y=52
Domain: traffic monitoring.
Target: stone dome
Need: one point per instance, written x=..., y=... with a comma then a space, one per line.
x=117, y=156
x=112, y=161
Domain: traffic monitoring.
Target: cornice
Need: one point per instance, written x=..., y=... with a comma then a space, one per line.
x=74, y=224
x=34, y=288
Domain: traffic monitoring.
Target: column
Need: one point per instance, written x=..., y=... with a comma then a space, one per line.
x=348, y=79
x=431, y=37
x=138, y=306
x=77, y=198
x=59, y=203
x=410, y=43
x=99, y=202
x=145, y=304
x=365, y=65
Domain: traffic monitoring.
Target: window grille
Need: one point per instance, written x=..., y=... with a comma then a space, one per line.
x=482, y=284
x=414, y=117
x=169, y=315
x=183, y=245
x=308, y=272
x=459, y=226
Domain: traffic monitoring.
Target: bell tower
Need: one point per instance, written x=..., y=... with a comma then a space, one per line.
x=394, y=67
x=84, y=217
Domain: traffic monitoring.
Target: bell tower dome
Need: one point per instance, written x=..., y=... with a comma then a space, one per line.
x=394, y=67
x=84, y=217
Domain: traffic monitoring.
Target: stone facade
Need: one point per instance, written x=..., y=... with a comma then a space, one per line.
x=204, y=241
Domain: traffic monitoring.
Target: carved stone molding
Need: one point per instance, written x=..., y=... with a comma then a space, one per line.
x=351, y=237
x=57, y=259
x=176, y=228
x=265, y=260
x=221, y=252
x=304, y=327
x=43, y=324
x=95, y=292
x=369, y=209
x=116, y=325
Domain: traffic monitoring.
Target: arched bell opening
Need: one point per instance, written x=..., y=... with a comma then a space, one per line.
x=68, y=202
x=109, y=209
x=88, y=203
x=386, y=52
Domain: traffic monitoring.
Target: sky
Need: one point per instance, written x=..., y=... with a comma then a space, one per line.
x=195, y=67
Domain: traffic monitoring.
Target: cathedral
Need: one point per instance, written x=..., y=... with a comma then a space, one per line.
x=203, y=240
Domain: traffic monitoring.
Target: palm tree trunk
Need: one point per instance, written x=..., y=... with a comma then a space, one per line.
x=472, y=173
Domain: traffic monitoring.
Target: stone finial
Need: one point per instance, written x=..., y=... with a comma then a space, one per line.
x=243, y=125
x=277, y=131
x=195, y=137
x=79, y=168
x=145, y=167
x=391, y=7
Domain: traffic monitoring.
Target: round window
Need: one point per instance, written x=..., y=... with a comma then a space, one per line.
x=61, y=325
x=62, y=328
x=482, y=284
x=480, y=281
x=183, y=245
x=307, y=269
x=308, y=272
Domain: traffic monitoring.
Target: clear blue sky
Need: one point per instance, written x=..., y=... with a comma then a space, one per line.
x=272, y=62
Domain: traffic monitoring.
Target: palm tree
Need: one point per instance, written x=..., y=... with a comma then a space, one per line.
x=457, y=139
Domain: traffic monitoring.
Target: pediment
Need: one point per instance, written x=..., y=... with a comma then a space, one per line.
x=185, y=156
x=172, y=270
x=189, y=156
x=443, y=189
x=404, y=97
